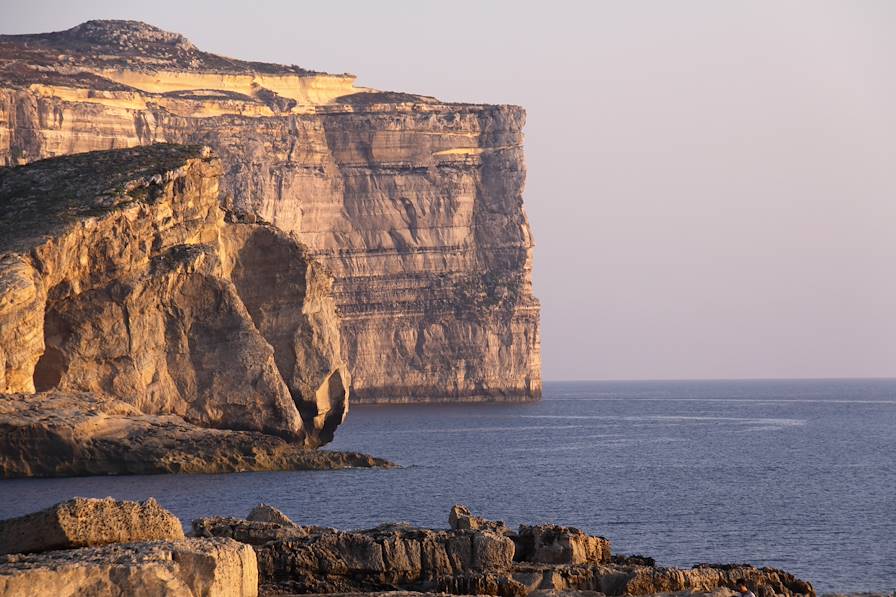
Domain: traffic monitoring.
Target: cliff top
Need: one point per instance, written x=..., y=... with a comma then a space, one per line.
x=44, y=196
x=127, y=44
x=135, y=57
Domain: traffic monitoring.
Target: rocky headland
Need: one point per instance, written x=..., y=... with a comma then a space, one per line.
x=100, y=547
x=413, y=205
x=143, y=328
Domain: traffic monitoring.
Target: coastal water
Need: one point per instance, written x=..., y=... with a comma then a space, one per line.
x=794, y=474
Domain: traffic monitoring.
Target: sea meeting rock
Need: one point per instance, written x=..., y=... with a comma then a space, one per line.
x=87, y=522
x=229, y=556
x=51, y=434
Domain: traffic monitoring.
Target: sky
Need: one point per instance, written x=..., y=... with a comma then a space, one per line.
x=711, y=185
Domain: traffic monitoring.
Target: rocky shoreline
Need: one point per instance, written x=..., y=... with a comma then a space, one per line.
x=99, y=547
x=55, y=434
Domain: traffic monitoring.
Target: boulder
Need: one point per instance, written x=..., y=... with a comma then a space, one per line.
x=553, y=544
x=461, y=518
x=267, y=513
x=190, y=567
x=83, y=522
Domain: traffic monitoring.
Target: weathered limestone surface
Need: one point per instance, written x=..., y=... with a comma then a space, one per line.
x=552, y=544
x=414, y=205
x=63, y=434
x=119, y=276
x=188, y=568
x=85, y=522
x=275, y=556
x=542, y=560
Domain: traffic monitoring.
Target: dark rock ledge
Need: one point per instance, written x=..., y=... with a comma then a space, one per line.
x=99, y=547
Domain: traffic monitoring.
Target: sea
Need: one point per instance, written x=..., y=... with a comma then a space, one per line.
x=799, y=475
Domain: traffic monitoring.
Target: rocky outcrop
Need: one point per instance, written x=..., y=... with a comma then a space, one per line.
x=133, y=549
x=63, y=434
x=537, y=560
x=387, y=557
x=552, y=544
x=275, y=556
x=414, y=205
x=188, y=568
x=120, y=276
x=460, y=518
x=83, y=522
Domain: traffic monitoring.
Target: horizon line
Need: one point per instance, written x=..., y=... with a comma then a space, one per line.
x=668, y=379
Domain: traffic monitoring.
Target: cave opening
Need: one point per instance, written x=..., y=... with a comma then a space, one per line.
x=52, y=363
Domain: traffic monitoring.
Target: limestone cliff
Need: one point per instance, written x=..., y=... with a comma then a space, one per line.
x=121, y=276
x=414, y=205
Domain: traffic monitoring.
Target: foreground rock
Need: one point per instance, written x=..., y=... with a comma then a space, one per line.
x=191, y=567
x=83, y=522
x=542, y=560
x=61, y=434
x=415, y=205
x=276, y=556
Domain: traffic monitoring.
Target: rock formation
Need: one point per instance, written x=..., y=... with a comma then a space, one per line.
x=280, y=557
x=143, y=314
x=84, y=522
x=126, y=548
x=536, y=560
x=53, y=434
x=188, y=568
x=413, y=204
x=120, y=276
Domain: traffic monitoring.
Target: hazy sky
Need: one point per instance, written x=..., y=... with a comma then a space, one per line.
x=712, y=185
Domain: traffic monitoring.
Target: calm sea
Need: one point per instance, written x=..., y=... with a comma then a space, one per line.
x=794, y=474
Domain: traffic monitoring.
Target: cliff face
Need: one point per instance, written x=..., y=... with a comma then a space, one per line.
x=414, y=205
x=120, y=276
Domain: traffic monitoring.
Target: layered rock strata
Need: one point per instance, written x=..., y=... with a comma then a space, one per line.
x=413, y=204
x=535, y=560
x=128, y=294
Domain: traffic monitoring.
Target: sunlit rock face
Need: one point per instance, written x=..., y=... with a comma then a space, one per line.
x=121, y=275
x=414, y=205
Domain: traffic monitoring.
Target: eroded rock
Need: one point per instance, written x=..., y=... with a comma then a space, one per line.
x=553, y=544
x=191, y=567
x=390, y=557
x=88, y=522
x=414, y=205
x=268, y=513
x=121, y=276
x=60, y=434
x=461, y=518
